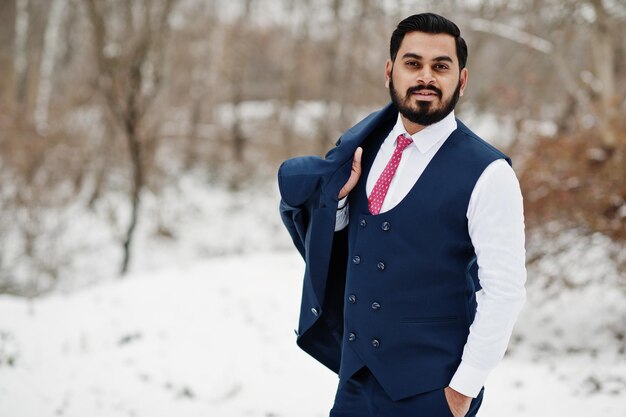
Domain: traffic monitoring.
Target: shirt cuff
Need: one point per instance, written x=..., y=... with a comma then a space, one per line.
x=469, y=380
x=342, y=218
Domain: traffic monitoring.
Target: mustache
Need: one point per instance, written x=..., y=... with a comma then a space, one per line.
x=432, y=88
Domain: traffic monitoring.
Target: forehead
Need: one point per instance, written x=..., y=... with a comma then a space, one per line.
x=428, y=45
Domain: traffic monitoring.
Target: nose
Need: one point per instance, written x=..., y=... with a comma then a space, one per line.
x=425, y=76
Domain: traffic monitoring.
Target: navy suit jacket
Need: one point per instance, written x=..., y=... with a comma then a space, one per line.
x=309, y=188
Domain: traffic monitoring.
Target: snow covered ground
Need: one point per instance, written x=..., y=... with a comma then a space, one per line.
x=215, y=338
x=203, y=326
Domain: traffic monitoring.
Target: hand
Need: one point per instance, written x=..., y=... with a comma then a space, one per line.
x=459, y=404
x=354, y=175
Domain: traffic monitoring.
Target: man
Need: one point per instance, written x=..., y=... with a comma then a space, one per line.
x=400, y=225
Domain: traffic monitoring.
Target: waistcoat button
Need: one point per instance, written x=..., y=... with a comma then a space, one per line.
x=375, y=343
x=352, y=337
x=314, y=311
x=352, y=298
x=356, y=259
x=385, y=226
x=375, y=305
x=363, y=223
x=381, y=266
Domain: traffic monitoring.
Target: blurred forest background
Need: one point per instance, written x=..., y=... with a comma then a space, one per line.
x=144, y=269
x=106, y=106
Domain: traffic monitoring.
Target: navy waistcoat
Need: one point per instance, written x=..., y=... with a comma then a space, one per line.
x=409, y=293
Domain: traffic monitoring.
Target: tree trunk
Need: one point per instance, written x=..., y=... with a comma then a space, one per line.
x=332, y=79
x=48, y=55
x=133, y=114
x=604, y=63
x=134, y=147
x=20, y=57
x=7, y=40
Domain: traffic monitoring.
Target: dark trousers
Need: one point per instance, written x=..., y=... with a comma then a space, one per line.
x=362, y=396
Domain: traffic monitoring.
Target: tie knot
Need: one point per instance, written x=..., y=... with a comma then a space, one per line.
x=402, y=142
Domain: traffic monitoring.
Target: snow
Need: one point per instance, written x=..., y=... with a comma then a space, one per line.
x=212, y=339
x=203, y=325
x=215, y=338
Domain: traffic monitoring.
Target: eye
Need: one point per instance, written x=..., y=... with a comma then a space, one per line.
x=441, y=67
x=413, y=64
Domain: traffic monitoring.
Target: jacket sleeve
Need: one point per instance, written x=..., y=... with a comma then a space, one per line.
x=299, y=182
x=295, y=220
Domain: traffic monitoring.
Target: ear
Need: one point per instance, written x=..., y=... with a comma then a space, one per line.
x=463, y=79
x=388, y=69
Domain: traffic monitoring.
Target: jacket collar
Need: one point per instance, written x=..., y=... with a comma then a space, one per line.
x=341, y=155
x=353, y=137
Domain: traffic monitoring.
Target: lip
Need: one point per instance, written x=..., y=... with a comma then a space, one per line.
x=425, y=95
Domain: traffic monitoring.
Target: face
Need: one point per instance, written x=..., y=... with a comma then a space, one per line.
x=424, y=81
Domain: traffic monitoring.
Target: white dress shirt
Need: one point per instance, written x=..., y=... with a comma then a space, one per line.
x=496, y=227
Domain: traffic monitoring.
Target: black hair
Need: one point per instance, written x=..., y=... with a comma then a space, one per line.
x=428, y=23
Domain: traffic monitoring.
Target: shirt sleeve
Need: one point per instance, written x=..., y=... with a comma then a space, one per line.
x=342, y=218
x=496, y=227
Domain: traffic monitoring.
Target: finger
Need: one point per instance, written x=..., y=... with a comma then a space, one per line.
x=358, y=153
x=356, y=162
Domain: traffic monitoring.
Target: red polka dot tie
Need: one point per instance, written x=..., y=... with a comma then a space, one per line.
x=377, y=196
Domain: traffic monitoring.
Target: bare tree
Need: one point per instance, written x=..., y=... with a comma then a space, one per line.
x=236, y=73
x=20, y=60
x=7, y=36
x=50, y=48
x=293, y=67
x=207, y=43
x=129, y=80
x=327, y=128
x=588, y=80
x=537, y=63
x=604, y=51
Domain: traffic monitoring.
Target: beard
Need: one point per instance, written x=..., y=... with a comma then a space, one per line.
x=426, y=113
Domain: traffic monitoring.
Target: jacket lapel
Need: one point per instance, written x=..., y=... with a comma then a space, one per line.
x=343, y=153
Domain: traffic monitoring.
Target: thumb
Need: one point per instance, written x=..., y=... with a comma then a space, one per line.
x=356, y=162
x=355, y=174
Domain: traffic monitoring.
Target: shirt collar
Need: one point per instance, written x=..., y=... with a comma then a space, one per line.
x=430, y=135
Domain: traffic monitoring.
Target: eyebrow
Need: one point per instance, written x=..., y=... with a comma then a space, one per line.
x=441, y=58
